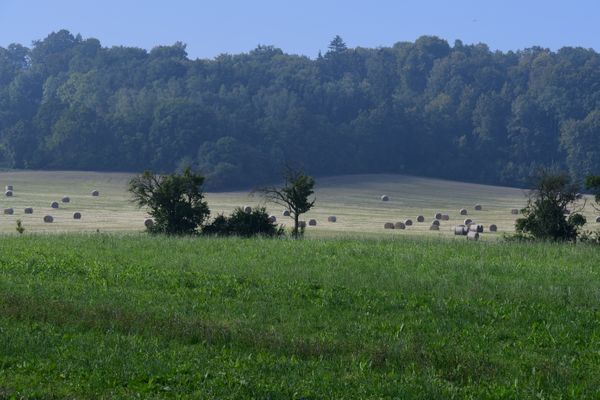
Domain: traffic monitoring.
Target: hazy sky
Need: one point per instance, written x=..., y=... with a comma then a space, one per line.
x=304, y=26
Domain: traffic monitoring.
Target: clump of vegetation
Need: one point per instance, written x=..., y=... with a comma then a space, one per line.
x=294, y=195
x=544, y=217
x=244, y=224
x=20, y=228
x=175, y=201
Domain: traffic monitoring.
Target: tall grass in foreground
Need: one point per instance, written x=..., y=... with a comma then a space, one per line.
x=117, y=316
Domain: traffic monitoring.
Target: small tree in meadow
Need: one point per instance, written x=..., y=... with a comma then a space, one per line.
x=545, y=217
x=175, y=202
x=294, y=195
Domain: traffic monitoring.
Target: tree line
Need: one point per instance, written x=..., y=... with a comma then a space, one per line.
x=424, y=108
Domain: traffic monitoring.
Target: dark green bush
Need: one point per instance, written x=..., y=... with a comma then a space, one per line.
x=244, y=224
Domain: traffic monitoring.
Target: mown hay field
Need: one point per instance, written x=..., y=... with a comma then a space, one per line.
x=355, y=201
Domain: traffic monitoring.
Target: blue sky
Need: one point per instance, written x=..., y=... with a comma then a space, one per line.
x=304, y=26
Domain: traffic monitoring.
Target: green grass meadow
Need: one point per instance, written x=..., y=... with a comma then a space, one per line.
x=134, y=316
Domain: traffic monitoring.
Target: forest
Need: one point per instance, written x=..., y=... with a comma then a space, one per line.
x=425, y=108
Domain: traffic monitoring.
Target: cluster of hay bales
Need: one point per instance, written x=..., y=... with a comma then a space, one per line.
x=332, y=218
x=385, y=197
x=312, y=222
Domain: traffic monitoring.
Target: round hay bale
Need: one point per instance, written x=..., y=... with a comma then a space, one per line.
x=8, y=187
x=476, y=228
x=435, y=222
x=420, y=218
x=54, y=204
x=493, y=228
x=408, y=222
x=332, y=218
x=438, y=216
x=388, y=225
x=514, y=211
x=478, y=207
x=9, y=211
x=48, y=219
x=247, y=209
x=399, y=225
x=272, y=219
x=385, y=197
x=66, y=199
x=95, y=193
x=312, y=222
x=76, y=215
x=285, y=213
x=28, y=210
x=473, y=236
x=434, y=227
x=463, y=211
x=301, y=224
x=598, y=220
x=148, y=223
x=445, y=217
x=468, y=221
x=8, y=193
x=460, y=230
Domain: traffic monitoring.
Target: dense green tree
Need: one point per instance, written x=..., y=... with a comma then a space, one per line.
x=175, y=201
x=545, y=217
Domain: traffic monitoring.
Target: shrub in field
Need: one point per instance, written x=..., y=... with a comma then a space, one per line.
x=544, y=216
x=175, y=202
x=245, y=224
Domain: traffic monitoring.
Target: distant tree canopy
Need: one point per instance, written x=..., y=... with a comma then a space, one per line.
x=424, y=108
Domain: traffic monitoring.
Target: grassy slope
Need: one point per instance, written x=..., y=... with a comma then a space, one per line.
x=112, y=316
